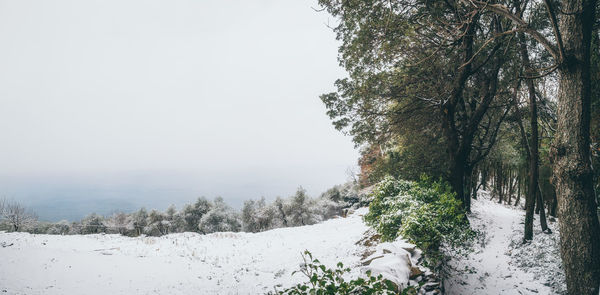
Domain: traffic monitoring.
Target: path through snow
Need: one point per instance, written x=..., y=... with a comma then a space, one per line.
x=490, y=269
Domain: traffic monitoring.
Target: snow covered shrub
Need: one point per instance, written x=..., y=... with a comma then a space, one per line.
x=17, y=216
x=93, y=224
x=323, y=280
x=119, y=223
x=140, y=221
x=175, y=219
x=220, y=218
x=59, y=228
x=346, y=195
x=39, y=228
x=426, y=213
x=302, y=210
x=281, y=208
x=326, y=208
x=193, y=213
x=257, y=216
x=158, y=224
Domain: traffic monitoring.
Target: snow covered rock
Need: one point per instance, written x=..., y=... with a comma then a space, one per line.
x=398, y=262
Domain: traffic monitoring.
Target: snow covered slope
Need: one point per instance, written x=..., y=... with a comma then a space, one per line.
x=188, y=263
x=500, y=264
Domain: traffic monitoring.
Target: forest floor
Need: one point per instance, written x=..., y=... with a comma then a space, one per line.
x=499, y=263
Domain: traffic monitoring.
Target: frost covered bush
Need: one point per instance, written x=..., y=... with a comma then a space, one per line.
x=193, y=213
x=158, y=224
x=93, y=224
x=119, y=223
x=302, y=210
x=323, y=280
x=346, y=195
x=220, y=218
x=426, y=213
x=16, y=216
x=257, y=216
x=175, y=219
x=297, y=210
x=140, y=221
x=59, y=228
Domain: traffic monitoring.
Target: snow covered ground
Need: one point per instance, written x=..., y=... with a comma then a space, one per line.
x=500, y=264
x=188, y=263
x=245, y=263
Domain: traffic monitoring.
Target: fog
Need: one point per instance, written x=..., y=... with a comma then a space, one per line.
x=109, y=105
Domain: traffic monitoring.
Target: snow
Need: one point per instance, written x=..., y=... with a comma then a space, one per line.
x=187, y=263
x=393, y=260
x=247, y=263
x=499, y=263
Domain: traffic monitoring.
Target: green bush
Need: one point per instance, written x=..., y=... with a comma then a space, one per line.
x=328, y=281
x=425, y=213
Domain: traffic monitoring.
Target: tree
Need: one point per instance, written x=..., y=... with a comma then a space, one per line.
x=2, y=205
x=18, y=216
x=578, y=218
x=59, y=228
x=193, y=213
x=93, y=224
x=301, y=209
x=175, y=219
x=140, y=221
x=119, y=222
x=220, y=218
x=571, y=24
x=281, y=208
x=421, y=68
x=257, y=216
x=158, y=224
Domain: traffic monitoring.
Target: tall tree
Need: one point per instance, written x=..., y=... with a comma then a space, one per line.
x=571, y=24
x=578, y=219
x=420, y=67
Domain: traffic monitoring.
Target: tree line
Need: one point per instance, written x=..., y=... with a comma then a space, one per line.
x=497, y=94
x=203, y=216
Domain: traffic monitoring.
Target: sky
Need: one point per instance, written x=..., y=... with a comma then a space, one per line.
x=117, y=104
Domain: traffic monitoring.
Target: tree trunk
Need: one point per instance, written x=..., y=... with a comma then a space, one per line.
x=511, y=187
x=554, y=204
x=543, y=222
x=457, y=178
x=518, y=189
x=578, y=219
x=529, y=207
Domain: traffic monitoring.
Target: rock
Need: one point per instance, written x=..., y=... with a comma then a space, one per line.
x=415, y=272
x=431, y=286
x=409, y=247
x=370, y=259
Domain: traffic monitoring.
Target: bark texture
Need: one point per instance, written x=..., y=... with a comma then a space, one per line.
x=578, y=219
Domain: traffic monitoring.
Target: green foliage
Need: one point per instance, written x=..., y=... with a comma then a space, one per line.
x=330, y=281
x=426, y=213
x=407, y=157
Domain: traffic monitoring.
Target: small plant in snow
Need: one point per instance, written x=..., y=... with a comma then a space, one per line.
x=330, y=281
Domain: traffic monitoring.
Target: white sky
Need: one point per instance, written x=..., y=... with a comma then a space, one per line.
x=187, y=97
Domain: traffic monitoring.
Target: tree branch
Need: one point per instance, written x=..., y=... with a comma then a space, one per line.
x=520, y=24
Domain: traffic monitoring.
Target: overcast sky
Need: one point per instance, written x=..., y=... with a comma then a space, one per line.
x=163, y=101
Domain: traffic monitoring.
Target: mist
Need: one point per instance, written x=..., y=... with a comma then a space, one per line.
x=114, y=105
